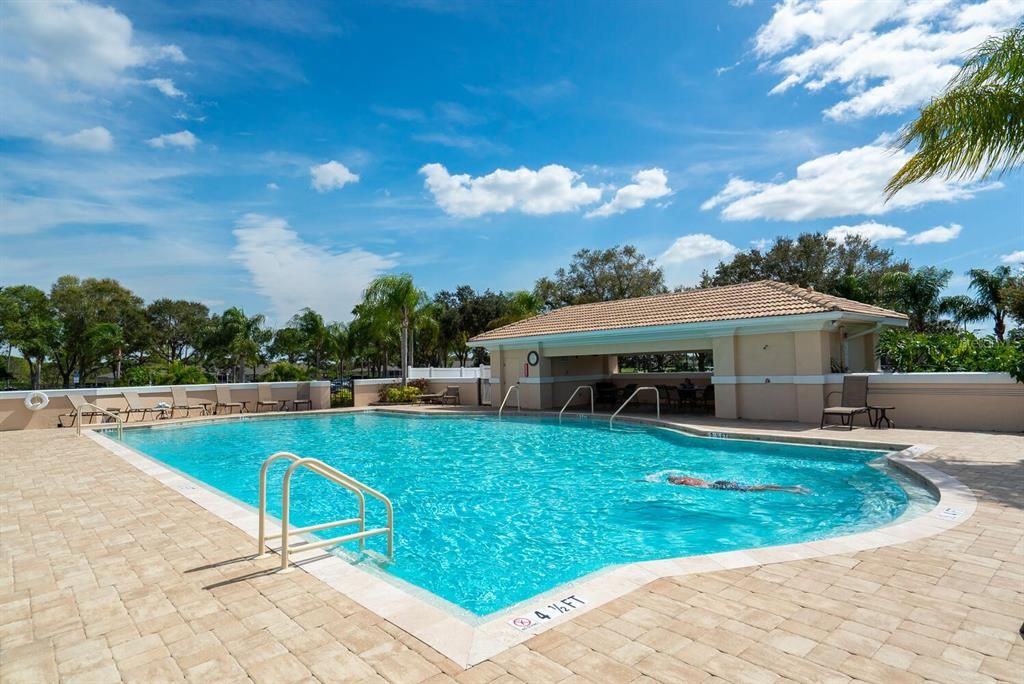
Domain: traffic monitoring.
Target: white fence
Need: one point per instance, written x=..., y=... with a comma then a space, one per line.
x=429, y=373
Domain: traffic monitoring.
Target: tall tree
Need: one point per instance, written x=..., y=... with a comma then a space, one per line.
x=237, y=340
x=988, y=287
x=177, y=327
x=917, y=294
x=851, y=268
x=518, y=305
x=601, y=276
x=27, y=323
x=395, y=297
x=315, y=336
x=976, y=126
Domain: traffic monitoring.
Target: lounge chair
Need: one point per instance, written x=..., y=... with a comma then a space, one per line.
x=180, y=400
x=854, y=400
x=451, y=393
x=301, y=397
x=224, y=400
x=432, y=398
x=77, y=401
x=135, y=405
x=264, y=397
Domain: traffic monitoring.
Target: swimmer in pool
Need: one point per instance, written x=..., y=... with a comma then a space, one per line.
x=687, y=481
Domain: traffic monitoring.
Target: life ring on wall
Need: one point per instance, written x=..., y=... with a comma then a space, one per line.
x=36, y=401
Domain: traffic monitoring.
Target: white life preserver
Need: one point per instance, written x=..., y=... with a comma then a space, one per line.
x=36, y=401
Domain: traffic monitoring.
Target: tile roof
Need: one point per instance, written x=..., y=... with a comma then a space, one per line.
x=760, y=299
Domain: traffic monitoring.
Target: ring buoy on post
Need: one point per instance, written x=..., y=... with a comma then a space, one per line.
x=36, y=401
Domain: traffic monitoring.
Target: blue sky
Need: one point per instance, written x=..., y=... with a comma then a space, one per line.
x=277, y=155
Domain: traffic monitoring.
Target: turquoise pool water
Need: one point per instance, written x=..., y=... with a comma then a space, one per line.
x=489, y=512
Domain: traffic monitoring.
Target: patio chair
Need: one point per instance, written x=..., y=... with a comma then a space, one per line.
x=853, y=401
x=432, y=398
x=451, y=393
x=264, y=397
x=302, y=397
x=77, y=412
x=224, y=400
x=605, y=393
x=135, y=405
x=707, y=398
x=180, y=401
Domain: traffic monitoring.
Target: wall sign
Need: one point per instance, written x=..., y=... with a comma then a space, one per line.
x=533, y=358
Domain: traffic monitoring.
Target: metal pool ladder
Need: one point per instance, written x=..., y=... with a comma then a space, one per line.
x=336, y=476
x=657, y=398
x=573, y=396
x=505, y=400
x=118, y=419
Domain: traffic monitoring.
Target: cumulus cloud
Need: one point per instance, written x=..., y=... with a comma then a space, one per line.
x=697, y=246
x=292, y=273
x=165, y=86
x=869, y=231
x=548, y=190
x=887, y=56
x=1013, y=257
x=96, y=139
x=331, y=176
x=180, y=139
x=843, y=183
x=647, y=185
x=79, y=41
x=935, y=235
x=691, y=254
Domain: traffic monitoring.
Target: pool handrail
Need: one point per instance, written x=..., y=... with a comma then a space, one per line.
x=657, y=397
x=111, y=414
x=350, y=483
x=519, y=406
x=573, y=396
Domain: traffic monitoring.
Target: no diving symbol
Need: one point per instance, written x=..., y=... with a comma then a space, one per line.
x=522, y=622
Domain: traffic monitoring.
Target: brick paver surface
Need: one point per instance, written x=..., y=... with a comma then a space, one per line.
x=108, y=576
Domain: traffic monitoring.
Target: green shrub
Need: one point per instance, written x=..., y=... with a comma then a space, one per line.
x=395, y=394
x=341, y=398
x=283, y=371
x=175, y=373
x=905, y=351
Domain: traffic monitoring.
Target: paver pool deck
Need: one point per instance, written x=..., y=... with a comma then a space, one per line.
x=109, y=575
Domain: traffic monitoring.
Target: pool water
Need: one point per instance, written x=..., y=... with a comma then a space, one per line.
x=490, y=512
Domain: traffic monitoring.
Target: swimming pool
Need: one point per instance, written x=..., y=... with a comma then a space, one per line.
x=489, y=513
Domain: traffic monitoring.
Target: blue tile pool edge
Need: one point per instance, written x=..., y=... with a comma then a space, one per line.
x=438, y=623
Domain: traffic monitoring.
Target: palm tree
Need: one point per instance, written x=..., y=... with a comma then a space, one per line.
x=519, y=305
x=395, y=297
x=916, y=294
x=963, y=310
x=989, y=289
x=976, y=124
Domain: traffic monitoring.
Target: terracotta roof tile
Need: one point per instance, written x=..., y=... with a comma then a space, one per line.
x=761, y=299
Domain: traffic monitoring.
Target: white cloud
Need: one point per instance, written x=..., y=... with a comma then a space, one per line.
x=165, y=86
x=869, y=231
x=697, y=246
x=180, y=139
x=741, y=3
x=331, y=176
x=844, y=183
x=935, y=235
x=689, y=255
x=293, y=274
x=647, y=185
x=96, y=139
x=79, y=41
x=1013, y=257
x=888, y=55
x=548, y=190
x=761, y=244
x=273, y=186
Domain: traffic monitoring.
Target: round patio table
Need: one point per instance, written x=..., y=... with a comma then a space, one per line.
x=879, y=414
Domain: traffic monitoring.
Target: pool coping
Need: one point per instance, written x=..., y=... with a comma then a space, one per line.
x=435, y=623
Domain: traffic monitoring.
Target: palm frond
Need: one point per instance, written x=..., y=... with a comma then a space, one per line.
x=976, y=127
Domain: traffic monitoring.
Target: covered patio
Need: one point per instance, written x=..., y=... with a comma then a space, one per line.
x=770, y=350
